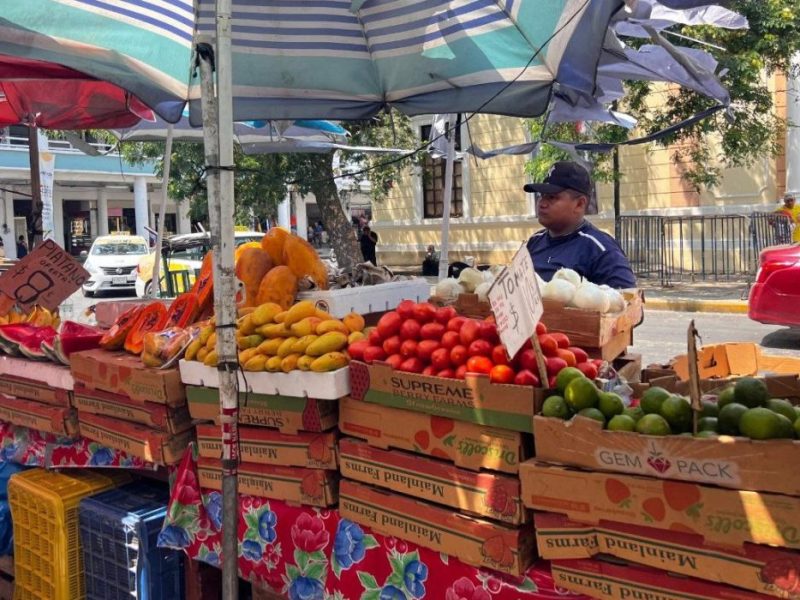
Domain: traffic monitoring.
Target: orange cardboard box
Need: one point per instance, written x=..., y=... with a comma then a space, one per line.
x=315, y=487
x=720, y=516
x=285, y=413
x=474, y=541
x=149, y=414
x=60, y=420
x=271, y=447
x=30, y=389
x=754, y=567
x=604, y=580
x=134, y=439
x=474, y=399
x=467, y=445
x=122, y=373
x=738, y=463
x=483, y=494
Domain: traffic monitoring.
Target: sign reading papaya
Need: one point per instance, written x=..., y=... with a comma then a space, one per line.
x=47, y=276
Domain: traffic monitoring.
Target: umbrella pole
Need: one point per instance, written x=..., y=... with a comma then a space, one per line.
x=155, y=288
x=444, y=262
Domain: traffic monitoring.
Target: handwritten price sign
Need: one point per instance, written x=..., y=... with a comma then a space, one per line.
x=516, y=301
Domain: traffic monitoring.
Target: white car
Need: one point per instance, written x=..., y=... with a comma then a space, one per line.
x=112, y=262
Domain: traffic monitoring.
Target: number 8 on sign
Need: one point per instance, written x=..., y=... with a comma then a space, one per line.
x=37, y=284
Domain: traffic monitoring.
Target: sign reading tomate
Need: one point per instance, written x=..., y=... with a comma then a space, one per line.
x=516, y=301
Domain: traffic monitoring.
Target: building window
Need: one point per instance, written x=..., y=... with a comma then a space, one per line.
x=433, y=174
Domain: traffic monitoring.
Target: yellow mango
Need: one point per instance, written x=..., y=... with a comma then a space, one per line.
x=212, y=341
x=323, y=314
x=329, y=362
x=265, y=313
x=211, y=359
x=304, y=362
x=246, y=355
x=243, y=311
x=148, y=360
x=332, y=325
x=270, y=347
x=354, y=322
x=274, y=330
x=273, y=364
x=205, y=333
x=201, y=354
x=192, y=349
x=299, y=311
x=281, y=316
x=289, y=363
x=356, y=336
x=329, y=342
x=256, y=363
x=250, y=341
x=302, y=343
x=305, y=326
x=245, y=325
x=285, y=348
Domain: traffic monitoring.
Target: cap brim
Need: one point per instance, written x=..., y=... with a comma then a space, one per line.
x=543, y=188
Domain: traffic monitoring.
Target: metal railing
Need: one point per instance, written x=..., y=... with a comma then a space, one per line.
x=700, y=248
x=9, y=142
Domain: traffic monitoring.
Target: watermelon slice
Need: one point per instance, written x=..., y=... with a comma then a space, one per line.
x=31, y=346
x=12, y=335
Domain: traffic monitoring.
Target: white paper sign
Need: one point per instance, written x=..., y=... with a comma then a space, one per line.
x=516, y=301
x=47, y=163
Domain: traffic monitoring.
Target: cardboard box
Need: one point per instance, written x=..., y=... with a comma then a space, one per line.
x=754, y=567
x=288, y=415
x=134, y=439
x=615, y=347
x=738, y=463
x=38, y=390
x=369, y=299
x=473, y=399
x=474, y=541
x=467, y=445
x=315, y=487
x=54, y=376
x=297, y=384
x=149, y=414
x=629, y=367
x=271, y=447
x=601, y=579
x=121, y=373
x=60, y=420
x=721, y=517
x=483, y=494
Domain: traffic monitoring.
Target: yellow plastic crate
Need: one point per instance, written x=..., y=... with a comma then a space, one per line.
x=48, y=563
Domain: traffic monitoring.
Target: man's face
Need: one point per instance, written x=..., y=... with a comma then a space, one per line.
x=788, y=202
x=560, y=211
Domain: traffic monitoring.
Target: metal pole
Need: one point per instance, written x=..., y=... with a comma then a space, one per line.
x=444, y=262
x=155, y=290
x=35, y=228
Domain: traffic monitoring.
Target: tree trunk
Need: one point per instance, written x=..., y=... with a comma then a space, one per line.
x=337, y=223
x=35, y=222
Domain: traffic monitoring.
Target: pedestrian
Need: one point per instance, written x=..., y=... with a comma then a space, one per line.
x=430, y=264
x=368, y=241
x=22, y=247
x=791, y=210
x=568, y=240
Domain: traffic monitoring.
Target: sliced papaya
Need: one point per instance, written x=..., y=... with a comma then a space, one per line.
x=203, y=286
x=152, y=318
x=182, y=311
x=114, y=338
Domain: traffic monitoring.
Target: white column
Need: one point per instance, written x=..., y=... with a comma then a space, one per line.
x=102, y=212
x=792, y=151
x=140, y=205
x=184, y=222
x=93, y=219
x=58, y=216
x=285, y=214
x=9, y=242
x=300, y=214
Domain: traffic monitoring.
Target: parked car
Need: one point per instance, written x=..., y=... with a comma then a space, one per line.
x=184, y=255
x=112, y=261
x=775, y=295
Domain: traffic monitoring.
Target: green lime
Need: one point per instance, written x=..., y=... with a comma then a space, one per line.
x=634, y=412
x=751, y=392
x=706, y=434
x=707, y=424
x=678, y=413
x=710, y=409
x=581, y=393
x=565, y=376
x=786, y=428
x=610, y=404
x=593, y=413
x=797, y=412
x=556, y=406
x=797, y=427
x=725, y=397
x=622, y=423
x=782, y=407
x=653, y=425
x=728, y=420
x=760, y=424
x=652, y=399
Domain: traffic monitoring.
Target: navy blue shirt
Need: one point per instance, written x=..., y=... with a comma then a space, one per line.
x=595, y=255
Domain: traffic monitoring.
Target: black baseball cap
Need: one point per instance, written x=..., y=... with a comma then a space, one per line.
x=563, y=175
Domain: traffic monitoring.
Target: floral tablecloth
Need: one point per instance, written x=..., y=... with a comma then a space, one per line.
x=313, y=554
x=33, y=448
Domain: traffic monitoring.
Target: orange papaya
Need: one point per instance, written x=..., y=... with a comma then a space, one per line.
x=273, y=242
x=203, y=286
x=304, y=261
x=152, y=318
x=251, y=267
x=182, y=311
x=114, y=338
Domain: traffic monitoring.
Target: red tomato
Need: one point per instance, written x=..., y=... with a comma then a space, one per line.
x=374, y=338
x=412, y=365
x=541, y=328
x=408, y=348
x=527, y=360
x=432, y=331
x=389, y=324
x=373, y=353
x=561, y=339
x=458, y=355
x=551, y=382
x=424, y=312
x=425, y=350
x=429, y=371
x=528, y=345
x=580, y=354
x=450, y=339
x=488, y=332
x=490, y=319
x=440, y=358
x=588, y=369
x=526, y=377
x=444, y=314
x=480, y=348
x=479, y=364
x=392, y=345
x=554, y=365
x=356, y=349
x=461, y=372
x=448, y=373
x=409, y=330
x=501, y=374
x=499, y=356
x=395, y=360
x=456, y=323
x=406, y=309
x=568, y=357
x=469, y=331
x=549, y=345
x=598, y=362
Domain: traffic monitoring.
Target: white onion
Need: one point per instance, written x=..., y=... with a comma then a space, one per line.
x=449, y=289
x=616, y=301
x=590, y=297
x=568, y=275
x=470, y=278
x=559, y=290
x=483, y=291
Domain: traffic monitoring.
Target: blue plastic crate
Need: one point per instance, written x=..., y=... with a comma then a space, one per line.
x=119, y=530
